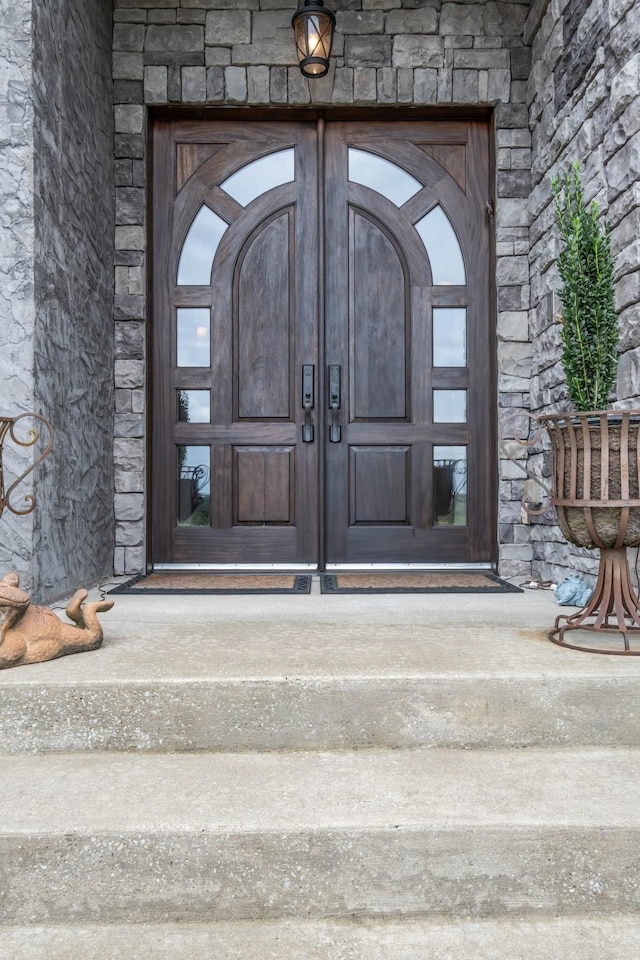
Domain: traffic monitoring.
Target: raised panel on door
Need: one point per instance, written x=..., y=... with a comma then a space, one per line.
x=411, y=479
x=234, y=320
x=378, y=351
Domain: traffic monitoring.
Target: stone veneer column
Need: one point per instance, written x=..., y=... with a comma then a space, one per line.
x=17, y=312
x=56, y=236
x=386, y=52
x=584, y=95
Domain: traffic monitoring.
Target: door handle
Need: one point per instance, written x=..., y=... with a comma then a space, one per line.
x=335, y=432
x=308, y=393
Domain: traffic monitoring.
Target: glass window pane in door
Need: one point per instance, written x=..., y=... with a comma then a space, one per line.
x=443, y=248
x=194, y=488
x=382, y=175
x=260, y=175
x=199, y=248
x=449, y=337
x=449, y=406
x=449, y=486
x=193, y=337
x=194, y=406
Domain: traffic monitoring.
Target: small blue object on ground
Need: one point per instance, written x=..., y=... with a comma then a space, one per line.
x=574, y=591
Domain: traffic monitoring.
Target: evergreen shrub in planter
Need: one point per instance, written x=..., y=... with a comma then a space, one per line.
x=595, y=451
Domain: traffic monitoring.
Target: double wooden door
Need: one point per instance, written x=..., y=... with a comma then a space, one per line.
x=323, y=388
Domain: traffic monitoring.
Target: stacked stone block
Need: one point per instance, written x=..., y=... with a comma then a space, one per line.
x=386, y=52
x=584, y=96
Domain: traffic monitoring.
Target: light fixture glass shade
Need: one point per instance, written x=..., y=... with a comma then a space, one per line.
x=313, y=29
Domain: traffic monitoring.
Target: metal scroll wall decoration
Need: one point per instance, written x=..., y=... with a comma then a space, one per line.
x=596, y=494
x=31, y=634
x=10, y=429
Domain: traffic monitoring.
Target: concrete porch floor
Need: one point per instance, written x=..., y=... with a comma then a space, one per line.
x=289, y=635
x=468, y=670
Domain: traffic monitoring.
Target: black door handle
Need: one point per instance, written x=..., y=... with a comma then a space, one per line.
x=308, y=392
x=335, y=432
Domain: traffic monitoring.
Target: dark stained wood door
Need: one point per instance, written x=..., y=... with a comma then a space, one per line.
x=234, y=320
x=342, y=263
x=411, y=469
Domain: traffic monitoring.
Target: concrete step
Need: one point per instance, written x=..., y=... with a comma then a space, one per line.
x=562, y=938
x=334, y=713
x=118, y=838
x=229, y=673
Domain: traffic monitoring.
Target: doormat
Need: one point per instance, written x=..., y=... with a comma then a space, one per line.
x=211, y=583
x=436, y=582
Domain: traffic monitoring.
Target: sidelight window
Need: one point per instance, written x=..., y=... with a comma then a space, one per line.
x=449, y=337
x=194, y=406
x=449, y=406
x=193, y=332
x=194, y=487
x=449, y=486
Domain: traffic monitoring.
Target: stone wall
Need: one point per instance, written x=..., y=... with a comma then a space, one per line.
x=386, y=52
x=56, y=282
x=584, y=95
x=73, y=343
x=16, y=254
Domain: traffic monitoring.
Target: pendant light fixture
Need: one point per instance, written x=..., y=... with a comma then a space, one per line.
x=313, y=28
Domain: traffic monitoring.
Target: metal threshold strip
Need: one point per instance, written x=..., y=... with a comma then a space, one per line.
x=313, y=567
x=346, y=567
x=244, y=567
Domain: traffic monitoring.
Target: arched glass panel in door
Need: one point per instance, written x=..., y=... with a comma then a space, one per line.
x=443, y=248
x=199, y=248
x=383, y=176
x=259, y=176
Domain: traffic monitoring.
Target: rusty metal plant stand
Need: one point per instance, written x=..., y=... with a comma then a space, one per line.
x=613, y=595
x=8, y=431
x=596, y=493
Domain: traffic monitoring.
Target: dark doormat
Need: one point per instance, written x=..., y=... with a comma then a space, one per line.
x=203, y=583
x=436, y=582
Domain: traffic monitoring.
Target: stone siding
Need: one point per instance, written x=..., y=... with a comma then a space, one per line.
x=56, y=236
x=73, y=343
x=386, y=52
x=584, y=95
x=16, y=259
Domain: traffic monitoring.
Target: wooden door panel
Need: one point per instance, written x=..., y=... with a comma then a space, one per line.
x=190, y=157
x=379, y=316
x=261, y=298
x=453, y=157
x=264, y=484
x=419, y=490
x=262, y=319
x=259, y=544
x=380, y=480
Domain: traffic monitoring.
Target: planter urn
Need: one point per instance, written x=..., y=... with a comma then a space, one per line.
x=596, y=493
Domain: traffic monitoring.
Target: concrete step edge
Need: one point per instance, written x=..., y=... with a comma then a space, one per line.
x=321, y=714
x=519, y=938
x=288, y=792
